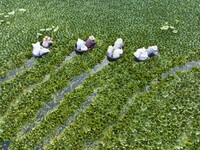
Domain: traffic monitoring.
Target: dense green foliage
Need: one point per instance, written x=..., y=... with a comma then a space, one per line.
x=108, y=109
x=165, y=117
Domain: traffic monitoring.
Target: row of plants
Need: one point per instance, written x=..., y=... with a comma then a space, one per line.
x=72, y=101
x=96, y=120
x=103, y=112
x=150, y=114
x=29, y=103
x=178, y=60
x=165, y=117
x=52, y=119
x=74, y=95
x=8, y=56
x=66, y=108
x=12, y=88
x=34, y=74
x=27, y=28
x=22, y=32
x=71, y=28
x=91, y=81
x=135, y=21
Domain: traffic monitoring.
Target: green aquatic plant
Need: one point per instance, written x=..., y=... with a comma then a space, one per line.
x=11, y=13
x=22, y=9
x=56, y=29
x=47, y=31
x=1, y=21
x=7, y=17
x=166, y=26
x=122, y=114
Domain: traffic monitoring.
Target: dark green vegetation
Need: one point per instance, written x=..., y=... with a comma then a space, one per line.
x=108, y=108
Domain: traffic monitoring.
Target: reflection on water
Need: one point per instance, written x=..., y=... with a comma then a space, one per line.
x=27, y=64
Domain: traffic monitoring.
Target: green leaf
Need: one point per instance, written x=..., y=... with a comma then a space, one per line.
x=175, y=31
x=178, y=147
x=198, y=133
x=22, y=9
x=165, y=27
x=166, y=22
x=143, y=107
x=177, y=21
x=42, y=30
x=56, y=29
x=48, y=29
x=39, y=34
x=165, y=94
x=11, y=13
